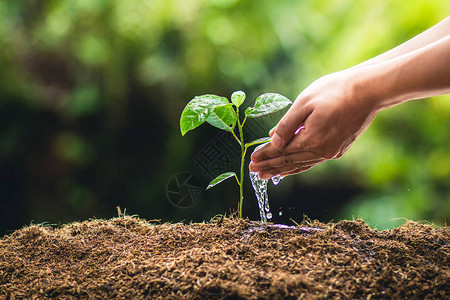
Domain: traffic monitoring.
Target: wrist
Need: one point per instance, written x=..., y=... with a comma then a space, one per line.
x=368, y=88
x=374, y=86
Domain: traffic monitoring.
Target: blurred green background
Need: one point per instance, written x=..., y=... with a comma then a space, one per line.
x=91, y=92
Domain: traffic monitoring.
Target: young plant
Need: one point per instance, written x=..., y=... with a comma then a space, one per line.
x=223, y=114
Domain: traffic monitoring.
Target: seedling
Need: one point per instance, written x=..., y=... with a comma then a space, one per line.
x=223, y=114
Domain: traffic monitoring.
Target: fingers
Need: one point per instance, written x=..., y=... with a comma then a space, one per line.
x=288, y=125
x=269, y=151
x=272, y=131
x=296, y=171
x=294, y=160
x=260, y=152
x=284, y=171
x=286, y=164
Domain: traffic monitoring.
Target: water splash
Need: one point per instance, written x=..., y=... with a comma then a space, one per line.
x=260, y=187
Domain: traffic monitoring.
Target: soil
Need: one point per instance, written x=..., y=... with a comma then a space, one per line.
x=226, y=258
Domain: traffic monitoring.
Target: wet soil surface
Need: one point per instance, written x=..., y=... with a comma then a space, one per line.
x=128, y=258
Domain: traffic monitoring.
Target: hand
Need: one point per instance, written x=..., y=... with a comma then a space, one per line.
x=325, y=119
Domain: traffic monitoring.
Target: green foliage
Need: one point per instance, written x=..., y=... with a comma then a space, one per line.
x=267, y=103
x=238, y=98
x=203, y=108
x=222, y=117
x=218, y=112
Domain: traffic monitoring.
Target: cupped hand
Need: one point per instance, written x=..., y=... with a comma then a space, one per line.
x=324, y=121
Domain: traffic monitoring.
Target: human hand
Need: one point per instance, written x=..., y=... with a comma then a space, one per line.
x=324, y=121
x=336, y=109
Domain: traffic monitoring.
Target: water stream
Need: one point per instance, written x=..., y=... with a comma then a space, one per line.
x=260, y=187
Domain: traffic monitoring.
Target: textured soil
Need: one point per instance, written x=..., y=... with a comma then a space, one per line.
x=227, y=258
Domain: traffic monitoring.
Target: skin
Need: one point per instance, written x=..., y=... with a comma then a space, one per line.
x=336, y=109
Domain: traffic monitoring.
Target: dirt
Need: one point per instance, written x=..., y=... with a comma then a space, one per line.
x=226, y=258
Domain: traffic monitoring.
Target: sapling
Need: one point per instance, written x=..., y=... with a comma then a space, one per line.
x=223, y=114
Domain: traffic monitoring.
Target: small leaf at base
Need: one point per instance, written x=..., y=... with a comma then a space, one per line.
x=220, y=178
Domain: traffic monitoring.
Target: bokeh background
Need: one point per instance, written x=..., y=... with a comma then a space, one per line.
x=91, y=92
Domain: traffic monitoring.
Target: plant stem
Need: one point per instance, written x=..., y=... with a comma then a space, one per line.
x=243, y=150
x=243, y=122
x=240, y=143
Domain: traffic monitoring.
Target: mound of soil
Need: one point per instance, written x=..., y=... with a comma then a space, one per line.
x=227, y=258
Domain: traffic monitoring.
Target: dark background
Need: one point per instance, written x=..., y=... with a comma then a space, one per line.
x=91, y=93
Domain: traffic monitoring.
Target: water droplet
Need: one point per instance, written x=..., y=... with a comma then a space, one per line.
x=269, y=215
x=276, y=179
x=280, y=213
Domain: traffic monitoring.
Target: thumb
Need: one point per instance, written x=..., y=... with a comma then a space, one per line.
x=272, y=131
x=289, y=125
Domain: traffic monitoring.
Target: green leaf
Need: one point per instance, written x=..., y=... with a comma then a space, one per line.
x=258, y=141
x=197, y=111
x=220, y=178
x=267, y=104
x=238, y=98
x=222, y=117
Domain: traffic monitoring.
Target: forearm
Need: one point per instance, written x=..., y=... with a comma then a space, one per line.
x=427, y=37
x=421, y=73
